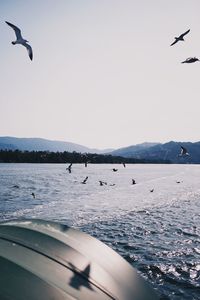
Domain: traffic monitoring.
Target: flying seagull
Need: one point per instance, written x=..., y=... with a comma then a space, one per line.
x=84, y=181
x=102, y=182
x=20, y=40
x=184, y=152
x=180, y=38
x=190, y=60
x=69, y=168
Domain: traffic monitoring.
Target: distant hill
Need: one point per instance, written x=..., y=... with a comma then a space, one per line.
x=133, y=150
x=39, y=144
x=169, y=151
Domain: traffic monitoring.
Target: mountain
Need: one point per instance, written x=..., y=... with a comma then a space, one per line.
x=39, y=144
x=169, y=151
x=133, y=150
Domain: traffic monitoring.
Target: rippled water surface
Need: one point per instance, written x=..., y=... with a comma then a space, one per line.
x=157, y=232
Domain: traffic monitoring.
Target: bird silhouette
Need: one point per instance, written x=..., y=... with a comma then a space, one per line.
x=69, y=168
x=32, y=194
x=85, y=180
x=102, y=182
x=190, y=60
x=20, y=40
x=184, y=152
x=180, y=38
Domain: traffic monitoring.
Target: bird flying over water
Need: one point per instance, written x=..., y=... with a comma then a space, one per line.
x=32, y=194
x=102, y=182
x=184, y=152
x=190, y=60
x=180, y=38
x=69, y=168
x=85, y=180
x=20, y=40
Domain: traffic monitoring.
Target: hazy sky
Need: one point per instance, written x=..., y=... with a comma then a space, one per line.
x=103, y=73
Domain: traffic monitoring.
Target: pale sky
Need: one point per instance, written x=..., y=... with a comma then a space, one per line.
x=103, y=73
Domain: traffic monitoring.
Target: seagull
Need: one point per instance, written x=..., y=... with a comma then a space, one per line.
x=32, y=194
x=180, y=38
x=16, y=186
x=20, y=40
x=84, y=181
x=102, y=182
x=190, y=60
x=133, y=181
x=69, y=168
x=184, y=152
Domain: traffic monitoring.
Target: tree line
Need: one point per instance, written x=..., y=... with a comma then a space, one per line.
x=18, y=156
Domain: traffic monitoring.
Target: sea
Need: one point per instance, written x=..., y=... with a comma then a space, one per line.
x=154, y=224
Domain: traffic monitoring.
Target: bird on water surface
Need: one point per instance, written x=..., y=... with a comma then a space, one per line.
x=133, y=181
x=20, y=40
x=180, y=38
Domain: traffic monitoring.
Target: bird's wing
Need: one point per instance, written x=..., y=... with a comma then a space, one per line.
x=174, y=42
x=29, y=49
x=188, y=60
x=16, y=29
x=183, y=150
x=183, y=34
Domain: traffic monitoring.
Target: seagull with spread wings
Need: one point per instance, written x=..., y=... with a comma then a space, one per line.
x=180, y=38
x=184, y=152
x=20, y=40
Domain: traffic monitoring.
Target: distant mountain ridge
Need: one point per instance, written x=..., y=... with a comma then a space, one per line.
x=168, y=152
x=130, y=151
x=40, y=144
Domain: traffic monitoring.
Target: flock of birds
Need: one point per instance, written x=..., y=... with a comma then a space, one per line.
x=183, y=153
x=21, y=41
